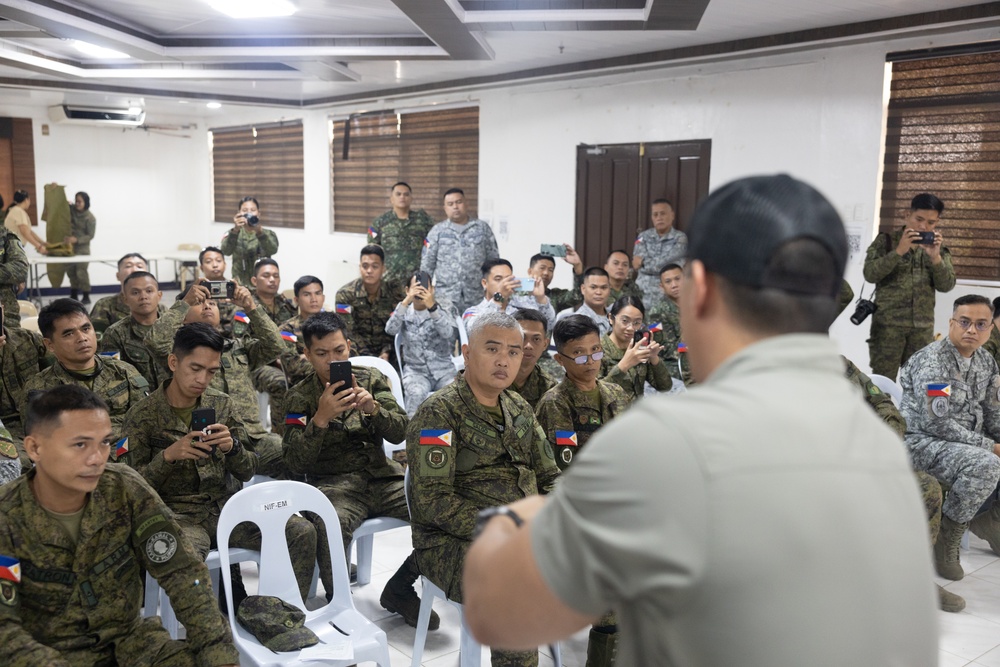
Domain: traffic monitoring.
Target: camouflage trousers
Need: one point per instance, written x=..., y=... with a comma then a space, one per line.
x=890, y=347
x=300, y=534
x=971, y=473
x=144, y=643
x=418, y=385
x=443, y=566
x=271, y=381
x=930, y=493
x=79, y=276
x=267, y=447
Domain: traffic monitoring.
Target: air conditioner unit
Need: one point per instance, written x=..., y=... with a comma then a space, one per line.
x=84, y=115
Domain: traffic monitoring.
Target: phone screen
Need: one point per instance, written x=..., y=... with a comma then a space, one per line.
x=341, y=371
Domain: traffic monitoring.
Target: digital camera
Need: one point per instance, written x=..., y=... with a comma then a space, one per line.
x=863, y=310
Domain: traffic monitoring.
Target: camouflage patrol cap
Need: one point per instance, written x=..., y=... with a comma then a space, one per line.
x=276, y=624
x=739, y=228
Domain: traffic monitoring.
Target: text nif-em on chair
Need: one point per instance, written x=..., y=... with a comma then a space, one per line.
x=270, y=505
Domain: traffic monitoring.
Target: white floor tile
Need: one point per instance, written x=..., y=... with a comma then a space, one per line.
x=968, y=636
x=946, y=659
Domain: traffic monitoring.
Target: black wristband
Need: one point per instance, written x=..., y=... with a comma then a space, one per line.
x=434, y=307
x=485, y=515
x=236, y=448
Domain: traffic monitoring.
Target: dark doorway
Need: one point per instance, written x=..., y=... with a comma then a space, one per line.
x=615, y=185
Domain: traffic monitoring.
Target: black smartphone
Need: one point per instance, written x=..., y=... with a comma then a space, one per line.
x=639, y=336
x=201, y=419
x=554, y=249
x=341, y=371
x=423, y=278
x=926, y=238
x=221, y=289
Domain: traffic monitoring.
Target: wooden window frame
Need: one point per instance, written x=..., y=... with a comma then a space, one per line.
x=264, y=161
x=431, y=150
x=943, y=137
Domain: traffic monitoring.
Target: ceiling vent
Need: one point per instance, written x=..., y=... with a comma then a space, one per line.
x=87, y=115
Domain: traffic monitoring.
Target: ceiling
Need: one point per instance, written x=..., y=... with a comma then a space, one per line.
x=337, y=50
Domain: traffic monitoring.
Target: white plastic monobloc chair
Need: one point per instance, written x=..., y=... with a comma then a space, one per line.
x=364, y=536
x=270, y=505
x=888, y=386
x=463, y=339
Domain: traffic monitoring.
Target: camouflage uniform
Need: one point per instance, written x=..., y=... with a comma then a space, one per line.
x=13, y=272
x=401, y=240
x=634, y=380
x=992, y=345
x=656, y=252
x=346, y=460
x=951, y=436
x=535, y=385
x=83, y=225
x=296, y=368
x=10, y=466
x=469, y=463
x=520, y=302
x=246, y=248
x=628, y=288
x=282, y=310
x=110, y=309
x=561, y=299
x=117, y=382
x=197, y=490
x=365, y=319
x=667, y=315
x=78, y=604
x=268, y=378
x=548, y=364
x=23, y=357
x=428, y=340
x=454, y=256
x=600, y=320
x=126, y=338
x=566, y=408
x=233, y=377
x=904, y=293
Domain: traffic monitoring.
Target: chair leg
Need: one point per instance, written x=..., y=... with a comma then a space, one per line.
x=556, y=654
x=151, y=598
x=365, y=544
x=470, y=651
x=427, y=596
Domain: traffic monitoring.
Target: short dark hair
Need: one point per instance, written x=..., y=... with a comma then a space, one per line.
x=572, y=328
x=996, y=307
x=489, y=264
x=86, y=199
x=535, y=259
x=305, y=281
x=453, y=191
x=207, y=249
x=670, y=267
x=403, y=183
x=627, y=300
x=594, y=271
x=129, y=255
x=771, y=311
x=246, y=199
x=195, y=335
x=262, y=262
x=20, y=196
x=373, y=249
x=613, y=252
x=972, y=300
x=532, y=315
x=139, y=274
x=64, y=307
x=925, y=201
x=46, y=407
x=662, y=200
x=322, y=325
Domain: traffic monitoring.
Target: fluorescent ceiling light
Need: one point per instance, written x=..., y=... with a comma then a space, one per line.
x=97, y=51
x=253, y=9
x=213, y=105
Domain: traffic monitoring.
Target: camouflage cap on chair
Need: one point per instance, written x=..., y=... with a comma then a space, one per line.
x=276, y=624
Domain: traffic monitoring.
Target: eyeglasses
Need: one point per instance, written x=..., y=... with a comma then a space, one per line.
x=964, y=323
x=626, y=322
x=596, y=356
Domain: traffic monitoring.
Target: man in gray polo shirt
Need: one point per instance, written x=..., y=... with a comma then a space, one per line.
x=746, y=521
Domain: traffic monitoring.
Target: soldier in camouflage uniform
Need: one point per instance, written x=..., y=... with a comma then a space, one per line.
x=569, y=414
x=13, y=274
x=334, y=437
x=74, y=589
x=365, y=305
x=951, y=403
x=428, y=332
x=309, y=298
x=109, y=309
x=10, y=466
x=665, y=324
x=268, y=377
x=628, y=364
x=543, y=267
x=248, y=243
x=502, y=293
x=455, y=249
x=656, y=247
x=125, y=337
x=233, y=377
x=532, y=381
x=69, y=335
x=401, y=233
x=212, y=263
x=471, y=446
x=22, y=356
x=906, y=273
x=197, y=472
x=617, y=268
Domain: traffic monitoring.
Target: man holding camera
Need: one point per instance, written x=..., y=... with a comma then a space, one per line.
x=907, y=267
x=504, y=292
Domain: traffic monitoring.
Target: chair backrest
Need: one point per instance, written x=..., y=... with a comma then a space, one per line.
x=397, y=343
x=388, y=371
x=27, y=308
x=888, y=386
x=463, y=335
x=270, y=505
x=30, y=323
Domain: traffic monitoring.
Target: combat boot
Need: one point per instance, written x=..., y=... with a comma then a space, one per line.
x=400, y=598
x=948, y=601
x=946, y=560
x=602, y=648
x=987, y=527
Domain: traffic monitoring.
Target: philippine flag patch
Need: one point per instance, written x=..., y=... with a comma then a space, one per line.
x=467, y=314
x=343, y=309
x=655, y=327
x=682, y=347
x=372, y=232
x=112, y=355
x=566, y=438
x=434, y=436
x=939, y=389
x=295, y=419
x=289, y=336
x=10, y=569
x=240, y=316
x=427, y=244
x=121, y=447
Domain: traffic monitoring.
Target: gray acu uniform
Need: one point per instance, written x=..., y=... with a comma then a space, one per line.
x=428, y=340
x=454, y=255
x=951, y=436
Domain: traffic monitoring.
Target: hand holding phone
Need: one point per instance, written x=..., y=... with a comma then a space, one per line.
x=201, y=419
x=554, y=249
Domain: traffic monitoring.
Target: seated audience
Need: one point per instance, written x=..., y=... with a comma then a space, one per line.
x=628, y=363
x=618, y=268
x=22, y=356
x=212, y=263
x=665, y=324
x=501, y=293
x=595, y=289
x=124, y=339
x=268, y=377
x=366, y=303
x=532, y=381
x=109, y=309
x=543, y=267
x=309, y=299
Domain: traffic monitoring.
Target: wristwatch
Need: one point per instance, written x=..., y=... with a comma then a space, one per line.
x=498, y=297
x=484, y=517
x=434, y=307
x=374, y=411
